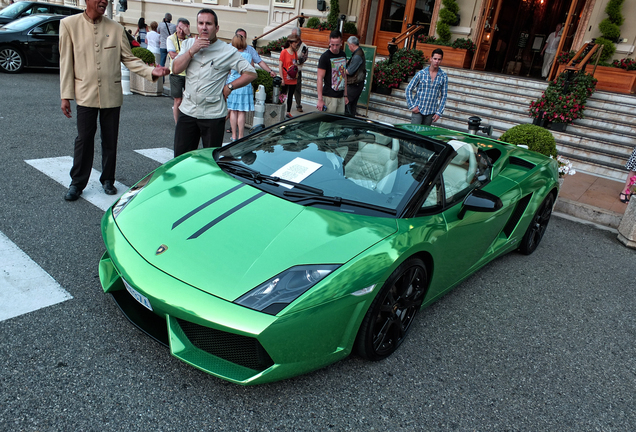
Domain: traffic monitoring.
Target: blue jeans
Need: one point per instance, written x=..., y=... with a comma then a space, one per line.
x=164, y=56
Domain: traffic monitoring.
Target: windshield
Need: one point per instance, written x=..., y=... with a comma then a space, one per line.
x=345, y=159
x=24, y=23
x=13, y=10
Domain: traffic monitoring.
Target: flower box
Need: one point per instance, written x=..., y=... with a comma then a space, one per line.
x=453, y=57
x=139, y=84
x=611, y=79
x=319, y=38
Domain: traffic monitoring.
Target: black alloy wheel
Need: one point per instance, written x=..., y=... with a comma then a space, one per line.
x=537, y=227
x=391, y=314
x=11, y=60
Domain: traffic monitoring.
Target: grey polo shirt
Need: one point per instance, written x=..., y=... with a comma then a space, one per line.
x=206, y=76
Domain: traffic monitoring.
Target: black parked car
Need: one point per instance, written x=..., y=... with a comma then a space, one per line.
x=25, y=8
x=31, y=41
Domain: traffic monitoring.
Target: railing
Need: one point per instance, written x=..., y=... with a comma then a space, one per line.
x=410, y=36
x=583, y=57
x=300, y=18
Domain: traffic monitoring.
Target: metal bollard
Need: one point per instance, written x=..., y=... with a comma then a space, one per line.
x=259, y=106
x=125, y=80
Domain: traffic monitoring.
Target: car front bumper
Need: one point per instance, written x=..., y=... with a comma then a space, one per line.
x=219, y=337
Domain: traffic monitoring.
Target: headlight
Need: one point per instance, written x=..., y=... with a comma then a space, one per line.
x=274, y=295
x=127, y=197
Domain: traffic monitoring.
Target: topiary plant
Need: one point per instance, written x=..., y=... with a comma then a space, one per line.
x=447, y=18
x=610, y=29
x=145, y=55
x=334, y=14
x=535, y=137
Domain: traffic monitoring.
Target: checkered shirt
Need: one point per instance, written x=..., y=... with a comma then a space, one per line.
x=430, y=97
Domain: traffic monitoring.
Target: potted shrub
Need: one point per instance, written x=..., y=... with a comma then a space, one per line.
x=141, y=85
x=410, y=60
x=387, y=76
x=532, y=137
x=563, y=102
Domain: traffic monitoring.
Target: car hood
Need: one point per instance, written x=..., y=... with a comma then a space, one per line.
x=225, y=237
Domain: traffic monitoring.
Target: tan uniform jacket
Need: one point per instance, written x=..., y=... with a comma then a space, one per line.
x=90, y=56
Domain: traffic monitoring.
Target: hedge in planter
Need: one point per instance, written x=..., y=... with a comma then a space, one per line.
x=535, y=137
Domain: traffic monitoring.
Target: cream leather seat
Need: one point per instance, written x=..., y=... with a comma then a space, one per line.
x=374, y=166
x=460, y=173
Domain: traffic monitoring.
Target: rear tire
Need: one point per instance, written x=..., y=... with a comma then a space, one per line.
x=11, y=60
x=391, y=313
x=537, y=227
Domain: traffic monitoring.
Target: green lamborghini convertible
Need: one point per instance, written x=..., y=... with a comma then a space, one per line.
x=285, y=251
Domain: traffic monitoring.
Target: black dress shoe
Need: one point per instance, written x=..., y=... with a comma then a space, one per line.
x=72, y=194
x=109, y=188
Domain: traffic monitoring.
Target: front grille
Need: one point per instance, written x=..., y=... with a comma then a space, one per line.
x=242, y=350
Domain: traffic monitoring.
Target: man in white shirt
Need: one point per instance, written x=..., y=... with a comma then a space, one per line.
x=549, y=50
x=207, y=62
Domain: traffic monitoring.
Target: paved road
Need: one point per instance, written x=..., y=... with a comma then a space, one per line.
x=539, y=343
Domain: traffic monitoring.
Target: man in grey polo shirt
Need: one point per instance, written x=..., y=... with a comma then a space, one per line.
x=165, y=29
x=207, y=62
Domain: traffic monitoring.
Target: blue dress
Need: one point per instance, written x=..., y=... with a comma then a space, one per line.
x=241, y=99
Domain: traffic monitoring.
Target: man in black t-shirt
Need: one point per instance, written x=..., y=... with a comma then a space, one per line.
x=332, y=77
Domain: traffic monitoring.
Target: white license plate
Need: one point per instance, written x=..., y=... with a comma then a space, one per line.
x=140, y=298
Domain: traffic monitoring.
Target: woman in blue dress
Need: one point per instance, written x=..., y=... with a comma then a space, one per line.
x=240, y=100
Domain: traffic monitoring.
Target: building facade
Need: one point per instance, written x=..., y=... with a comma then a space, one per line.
x=504, y=31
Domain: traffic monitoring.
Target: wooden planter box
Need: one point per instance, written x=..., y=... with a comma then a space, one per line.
x=453, y=57
x=142, y=86
x=319, y=38
x=611, y=79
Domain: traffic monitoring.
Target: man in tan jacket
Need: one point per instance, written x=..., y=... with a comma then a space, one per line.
x=91, y=49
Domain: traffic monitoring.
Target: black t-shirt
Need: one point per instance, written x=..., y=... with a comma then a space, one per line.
x=335, y=66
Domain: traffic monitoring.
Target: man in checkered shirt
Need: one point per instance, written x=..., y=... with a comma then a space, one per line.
x=430, y=86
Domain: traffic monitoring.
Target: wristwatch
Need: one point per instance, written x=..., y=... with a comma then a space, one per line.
x=230, y=86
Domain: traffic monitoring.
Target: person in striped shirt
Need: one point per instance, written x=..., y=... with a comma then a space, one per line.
x=426, y=93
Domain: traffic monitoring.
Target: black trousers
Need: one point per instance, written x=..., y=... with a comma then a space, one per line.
x=299, y=89
x=353, y=92
x=190, y=131
x=85, y=144
x=291, y=88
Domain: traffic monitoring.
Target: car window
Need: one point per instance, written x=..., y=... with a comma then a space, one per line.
x=359, y=161
x=468, y=170
x=13, y=10
x=52, y=28
x=23, y=23
x=63, y=11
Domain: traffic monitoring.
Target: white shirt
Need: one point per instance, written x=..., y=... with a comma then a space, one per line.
x=152, y=39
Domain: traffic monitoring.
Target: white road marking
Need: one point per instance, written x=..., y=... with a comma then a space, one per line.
x=161, y=155
x=58, y=169
x=24, y=285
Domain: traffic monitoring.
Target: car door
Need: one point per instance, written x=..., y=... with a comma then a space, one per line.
x=468, y=235
x=43, y=44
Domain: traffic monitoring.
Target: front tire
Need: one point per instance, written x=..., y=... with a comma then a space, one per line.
x=11, y=60
x=538, y=225
x=391, y=313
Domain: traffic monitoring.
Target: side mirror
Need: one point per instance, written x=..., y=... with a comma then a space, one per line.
x=480, y=201
x=37, y=31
